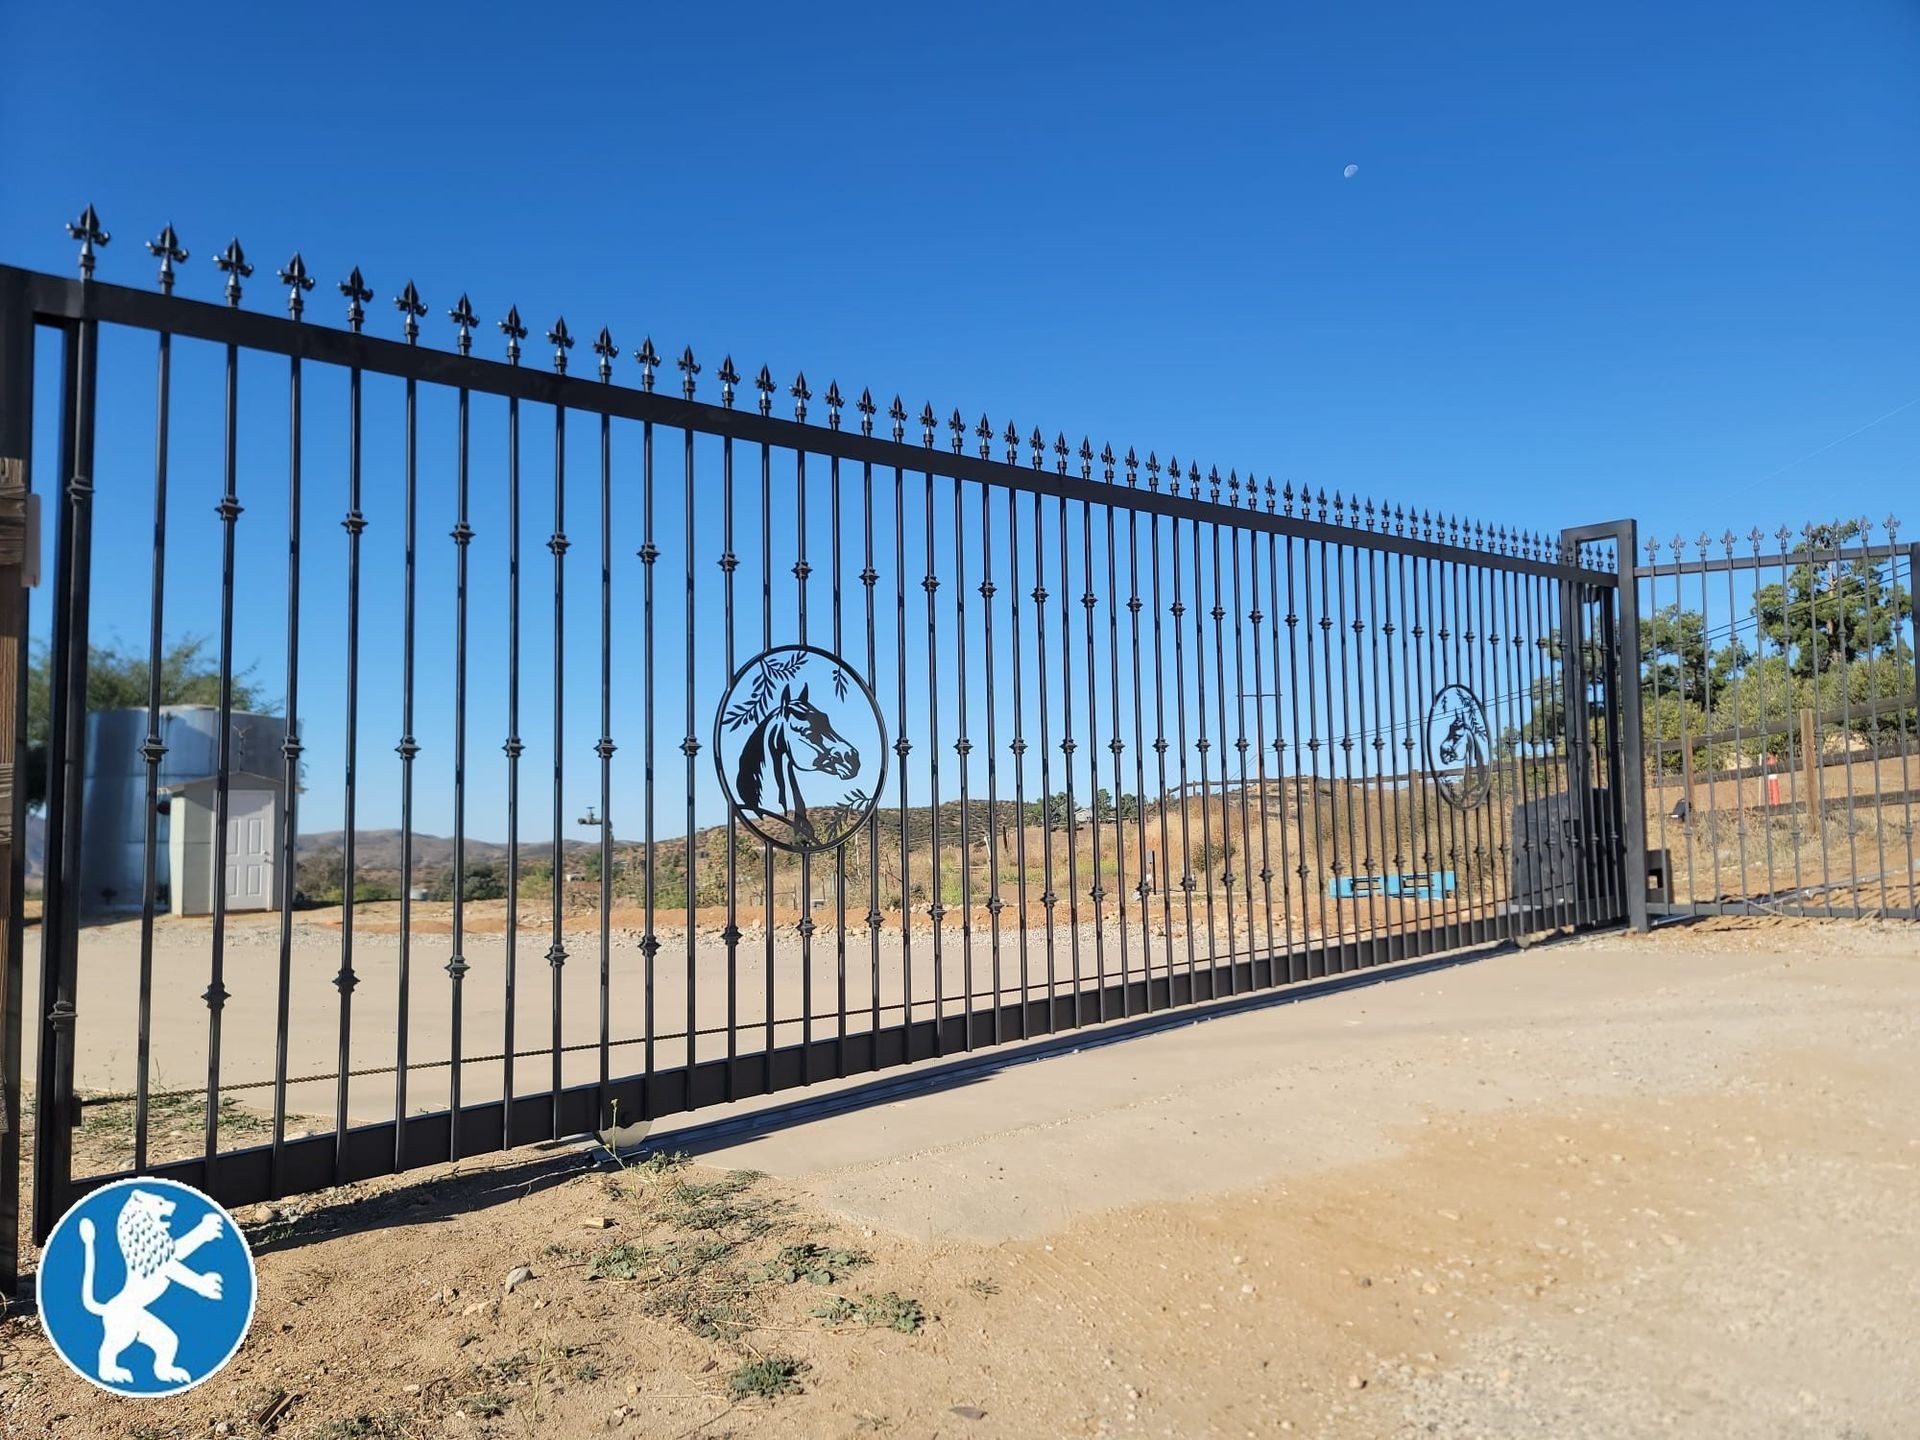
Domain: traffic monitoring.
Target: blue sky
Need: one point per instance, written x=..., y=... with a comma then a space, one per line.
x=1634, y=259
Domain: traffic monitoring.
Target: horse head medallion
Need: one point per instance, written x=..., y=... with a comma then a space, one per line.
x=1459, y=748
x=802, y=772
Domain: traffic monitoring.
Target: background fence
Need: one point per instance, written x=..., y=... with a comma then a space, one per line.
x=1782, y=720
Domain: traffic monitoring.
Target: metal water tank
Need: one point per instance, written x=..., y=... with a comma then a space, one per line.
x=114, y=798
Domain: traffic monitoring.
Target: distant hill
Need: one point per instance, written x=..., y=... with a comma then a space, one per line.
x=375, y=850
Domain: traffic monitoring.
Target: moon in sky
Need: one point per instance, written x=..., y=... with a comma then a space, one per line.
x=1351, y=171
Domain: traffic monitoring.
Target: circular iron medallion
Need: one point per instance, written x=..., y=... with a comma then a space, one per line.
x=1459, y=747
x=801, y=748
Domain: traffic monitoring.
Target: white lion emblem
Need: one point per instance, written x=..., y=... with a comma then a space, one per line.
x=153, y=1257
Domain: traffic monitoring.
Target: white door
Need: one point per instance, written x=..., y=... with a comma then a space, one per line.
x=250, y=850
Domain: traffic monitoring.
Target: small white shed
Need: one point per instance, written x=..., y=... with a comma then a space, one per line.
x=253, y=829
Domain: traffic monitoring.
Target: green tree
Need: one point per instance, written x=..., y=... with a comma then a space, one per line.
x=1830, y=613
x=121, y=680
x=1675, y=658
x=485, y=881
x=1848, y=696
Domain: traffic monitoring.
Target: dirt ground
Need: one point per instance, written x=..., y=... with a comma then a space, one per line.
x=702, y=981
x=1614, y=1187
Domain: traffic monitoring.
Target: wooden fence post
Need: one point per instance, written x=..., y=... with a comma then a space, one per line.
x=1810, y=762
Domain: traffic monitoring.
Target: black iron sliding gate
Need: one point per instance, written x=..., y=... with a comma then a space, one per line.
x=898, y=732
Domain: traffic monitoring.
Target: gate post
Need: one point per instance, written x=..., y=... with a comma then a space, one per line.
x=16, y=415
x=1622, y=651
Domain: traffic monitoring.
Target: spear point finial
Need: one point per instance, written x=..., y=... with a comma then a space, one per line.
x=167, y=249
x=411, y=308
x=232, y=262
x=608, y=352
x=463, y=317
x=294, y=276
x=562, y=341
x=88, y=232
x=512, y=329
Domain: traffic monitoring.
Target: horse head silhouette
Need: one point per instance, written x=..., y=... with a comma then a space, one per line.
x=1462, y=741
x=796, y=736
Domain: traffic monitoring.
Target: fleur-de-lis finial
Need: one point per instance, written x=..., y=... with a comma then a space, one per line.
x=354, y=287
x=729, y=377
x=294, y=276
x=233, y=262
x=1011, y=438
x=1213, y=483
x=648, y=359
x=1133, y=468
x=88, y=232
x=866, y=408
x=957, y=423
x=462, y=316
x=608, y=352
x=514, y=331
x=801, y=394
x=763, y=382
x=834, y=402
x=411, y=308
x=1037, y=443
x=1086, y=458
x=562, y=341
x=897, y=413
x=167, y=249
x=983, y=432
x=689, y=367
x=929, y=423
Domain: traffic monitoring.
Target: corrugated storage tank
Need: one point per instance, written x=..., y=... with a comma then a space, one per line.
x=113, y=802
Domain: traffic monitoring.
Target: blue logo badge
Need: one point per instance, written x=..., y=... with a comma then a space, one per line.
x=146, y=1287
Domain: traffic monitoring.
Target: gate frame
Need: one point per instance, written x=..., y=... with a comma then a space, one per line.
x=30, y=301
x=17, y=332
x=1624, y=741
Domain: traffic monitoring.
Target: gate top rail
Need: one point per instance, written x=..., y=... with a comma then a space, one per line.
x=1756, y=559
x=1256, y=506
